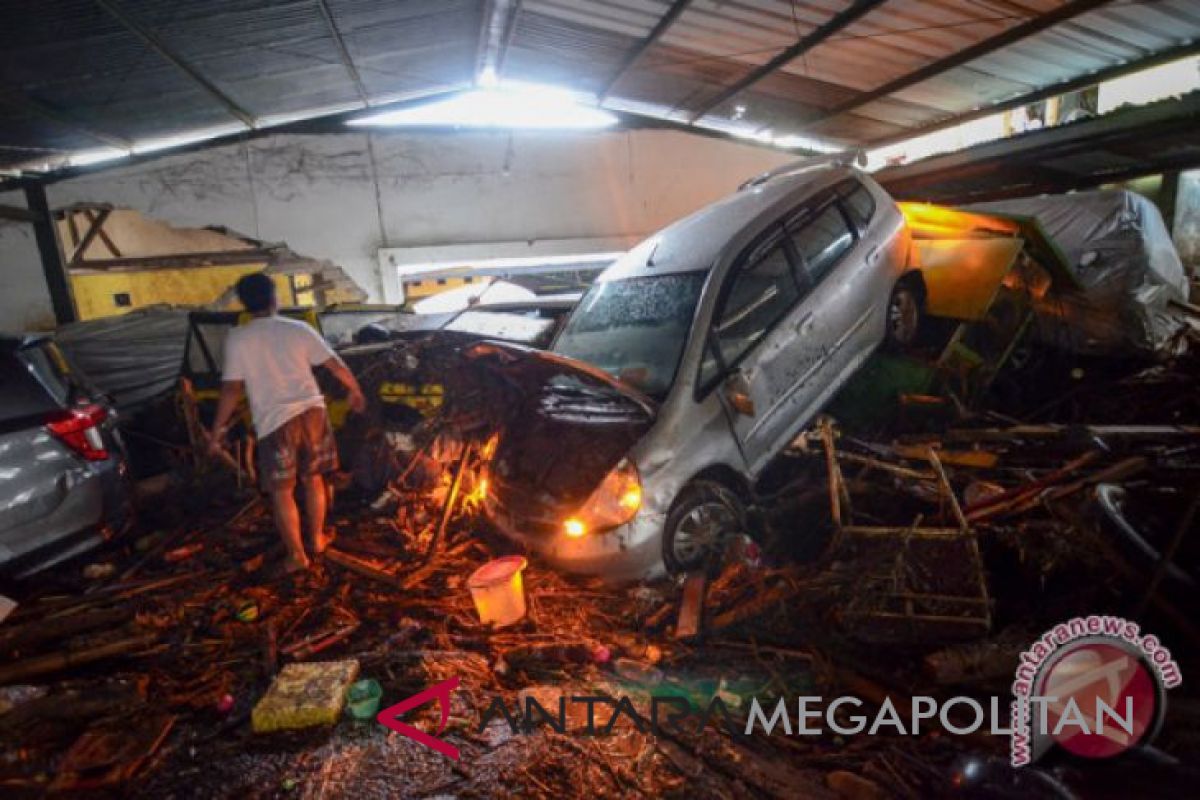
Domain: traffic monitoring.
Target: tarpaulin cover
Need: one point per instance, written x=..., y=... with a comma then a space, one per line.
x=134, y=357
x=1119, y=249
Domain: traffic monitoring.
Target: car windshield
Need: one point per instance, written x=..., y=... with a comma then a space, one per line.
x=634, y=329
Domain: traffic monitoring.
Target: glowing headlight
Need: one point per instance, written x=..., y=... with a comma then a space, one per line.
x=613, y=503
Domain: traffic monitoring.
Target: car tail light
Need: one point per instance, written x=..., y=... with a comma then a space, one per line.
x=79, y=429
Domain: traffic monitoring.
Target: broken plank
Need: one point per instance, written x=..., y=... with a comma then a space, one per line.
x=900, y=532
x=361, y=567
x=979, y=459
x=691, y=608
x=57, y=662
x=1050, y=431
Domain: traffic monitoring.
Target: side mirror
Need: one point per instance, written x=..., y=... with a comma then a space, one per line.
x=737, y=392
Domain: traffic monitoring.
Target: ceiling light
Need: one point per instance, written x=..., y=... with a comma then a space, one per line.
x=85, y=158
x=487, y=77
x=510, y=105
x=806, y=143
x=143, y=146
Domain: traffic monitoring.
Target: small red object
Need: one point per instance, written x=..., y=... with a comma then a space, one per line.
x=225, y=704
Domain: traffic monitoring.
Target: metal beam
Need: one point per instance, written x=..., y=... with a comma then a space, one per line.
x=157, y=45
x=495, y=33
x=344, y=52
x=978, y=50
x=16, y=214
x=52, y=261
x=815, y=37
x=17, y=99
x=639, y=50
x=1161, y=135
x=1062, y=87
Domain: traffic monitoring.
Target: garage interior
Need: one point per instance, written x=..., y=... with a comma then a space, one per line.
x=554, y=572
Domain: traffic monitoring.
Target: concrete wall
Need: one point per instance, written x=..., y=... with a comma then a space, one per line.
x=24, y=299
x=344, y=197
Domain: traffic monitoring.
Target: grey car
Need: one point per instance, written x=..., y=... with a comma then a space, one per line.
x=731, y=328
x=63, y=476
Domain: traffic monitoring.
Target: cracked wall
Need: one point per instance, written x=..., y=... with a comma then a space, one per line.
x=344, y=196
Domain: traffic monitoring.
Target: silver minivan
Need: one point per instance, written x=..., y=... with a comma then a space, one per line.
x=729, y=329
x=64, y=483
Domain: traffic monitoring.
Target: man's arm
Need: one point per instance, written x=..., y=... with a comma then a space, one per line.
x=231, y=394
x=345, y=377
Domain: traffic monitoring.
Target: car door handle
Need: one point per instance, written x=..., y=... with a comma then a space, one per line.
x=873, y=254
x=804, y=323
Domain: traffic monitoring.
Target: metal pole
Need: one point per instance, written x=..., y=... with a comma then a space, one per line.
x=57, y=281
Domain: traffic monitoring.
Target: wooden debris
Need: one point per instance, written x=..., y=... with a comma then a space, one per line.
x=691, y=608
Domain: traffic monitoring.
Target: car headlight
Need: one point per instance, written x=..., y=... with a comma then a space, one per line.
x=614, y=502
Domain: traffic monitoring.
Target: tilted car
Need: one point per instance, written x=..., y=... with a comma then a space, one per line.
x=724, y=334
x=63, y=477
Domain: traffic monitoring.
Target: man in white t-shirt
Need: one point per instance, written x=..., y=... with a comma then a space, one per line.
x=271, y=360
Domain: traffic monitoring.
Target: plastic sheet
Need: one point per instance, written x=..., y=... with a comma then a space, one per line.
x=134, y=357
x=1119, y=249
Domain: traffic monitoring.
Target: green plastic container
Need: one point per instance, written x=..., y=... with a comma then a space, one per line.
x=362, y=701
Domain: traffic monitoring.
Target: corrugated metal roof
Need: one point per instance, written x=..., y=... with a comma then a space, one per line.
x=73, y=75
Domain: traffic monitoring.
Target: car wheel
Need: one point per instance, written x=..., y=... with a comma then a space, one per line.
x=704, y=516
x=904, y=314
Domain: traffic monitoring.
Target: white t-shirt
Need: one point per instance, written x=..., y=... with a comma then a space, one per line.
x=275, y=357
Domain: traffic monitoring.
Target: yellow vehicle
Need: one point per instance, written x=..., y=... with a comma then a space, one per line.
x=205, y=346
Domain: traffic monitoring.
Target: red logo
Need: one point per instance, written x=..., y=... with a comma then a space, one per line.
x=1103, y=699
x=441, y=692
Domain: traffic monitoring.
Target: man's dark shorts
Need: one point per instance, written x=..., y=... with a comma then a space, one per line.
x=302, y=446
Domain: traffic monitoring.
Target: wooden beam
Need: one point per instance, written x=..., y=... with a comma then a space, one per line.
x=639, y=50
x=978, y=50
x=1053, y=90
x=152, y=40
x=344, y=53
x=104, y=237
x=181, y=260
x=95, y=223
x=46, y=237
x=818, y=35
x=16, y=214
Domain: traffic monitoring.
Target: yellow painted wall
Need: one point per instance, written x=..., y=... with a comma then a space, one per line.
x=415, y=288
x=95, y=292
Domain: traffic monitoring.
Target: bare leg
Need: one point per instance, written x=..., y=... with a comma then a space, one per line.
x=314, y=510
x=287, y=521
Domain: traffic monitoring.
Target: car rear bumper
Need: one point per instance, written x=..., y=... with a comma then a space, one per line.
x=92, y=509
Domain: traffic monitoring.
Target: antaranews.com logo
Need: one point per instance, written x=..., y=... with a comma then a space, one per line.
x=1094, y=685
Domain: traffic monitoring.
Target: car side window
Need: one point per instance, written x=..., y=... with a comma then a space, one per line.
x=762, y=291
x=821, y=241
x=858, y=202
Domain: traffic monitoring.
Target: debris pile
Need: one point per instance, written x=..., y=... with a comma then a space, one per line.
x=881, y=565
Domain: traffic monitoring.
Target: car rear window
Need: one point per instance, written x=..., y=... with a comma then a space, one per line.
x=23, y=397
x=50, y=367
x=859, y=203
x=822, y=241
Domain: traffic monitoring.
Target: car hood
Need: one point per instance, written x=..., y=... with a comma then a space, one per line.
x=561, y=424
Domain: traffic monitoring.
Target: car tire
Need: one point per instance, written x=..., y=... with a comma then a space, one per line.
x=705, y=514
x=905, y=312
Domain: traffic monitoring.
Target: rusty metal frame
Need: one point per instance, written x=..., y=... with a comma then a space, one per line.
x=817, y=36
x=1011, y=36
x=664, y=22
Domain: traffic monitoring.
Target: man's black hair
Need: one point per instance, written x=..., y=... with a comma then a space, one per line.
x=256, y=291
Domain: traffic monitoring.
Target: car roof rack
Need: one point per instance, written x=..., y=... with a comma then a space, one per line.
x=842, y=158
